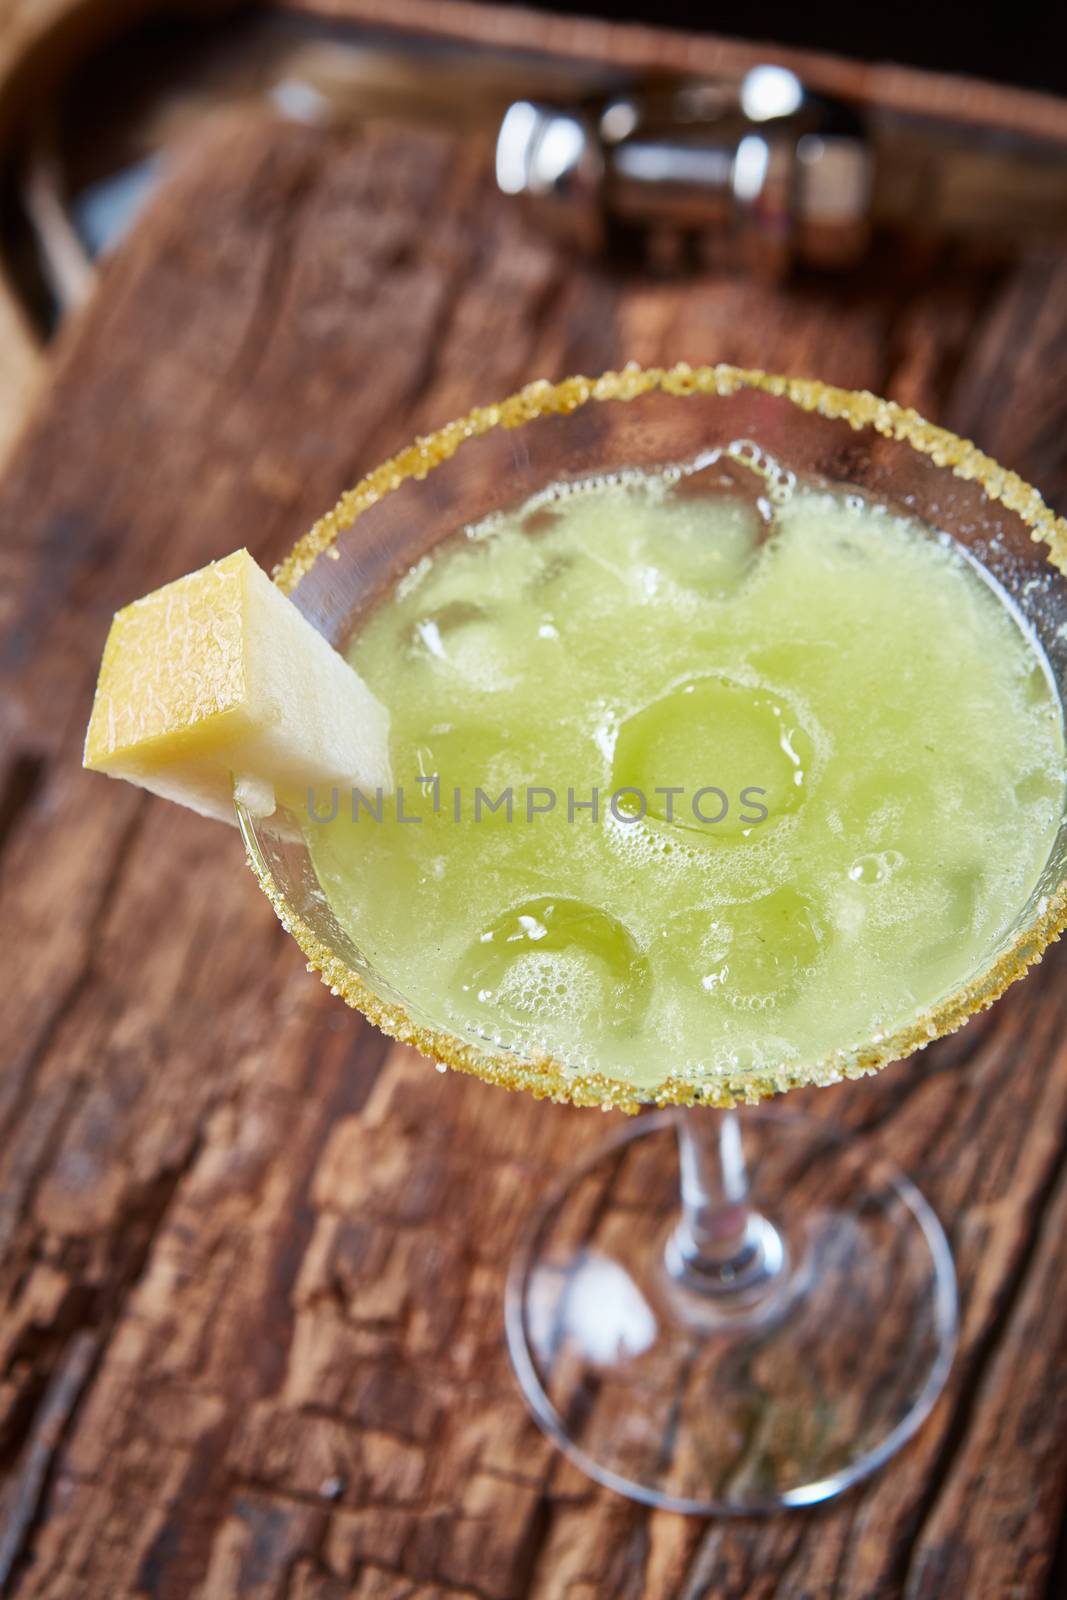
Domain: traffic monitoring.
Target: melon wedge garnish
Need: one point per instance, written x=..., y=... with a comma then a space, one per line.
x=217, y=682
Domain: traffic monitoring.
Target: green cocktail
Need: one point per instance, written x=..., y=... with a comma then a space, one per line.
x=705, y=772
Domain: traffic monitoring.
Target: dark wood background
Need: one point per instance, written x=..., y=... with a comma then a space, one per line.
x=251, y=1254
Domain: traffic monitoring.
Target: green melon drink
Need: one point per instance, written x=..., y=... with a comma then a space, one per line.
x=702, y=773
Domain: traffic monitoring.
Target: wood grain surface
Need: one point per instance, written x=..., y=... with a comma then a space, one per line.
x=251, y=1254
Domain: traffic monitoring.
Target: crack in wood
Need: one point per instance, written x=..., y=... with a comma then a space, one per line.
x=50, y=1426
x=441, y=1591
x=1056, y=1586
x=21, y=785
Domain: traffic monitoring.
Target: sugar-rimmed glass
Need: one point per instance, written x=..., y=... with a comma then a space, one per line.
x=729, y=1341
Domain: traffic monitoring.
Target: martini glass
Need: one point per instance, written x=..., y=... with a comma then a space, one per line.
x=717, y=1311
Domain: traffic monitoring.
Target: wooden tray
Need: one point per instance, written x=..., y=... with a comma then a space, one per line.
x=251, y=1255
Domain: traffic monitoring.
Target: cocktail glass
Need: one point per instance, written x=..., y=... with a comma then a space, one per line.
x=702, y=1324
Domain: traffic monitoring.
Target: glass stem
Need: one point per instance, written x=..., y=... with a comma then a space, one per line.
x=720, y=1245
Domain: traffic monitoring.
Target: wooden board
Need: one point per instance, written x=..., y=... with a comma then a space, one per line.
x=251, y=1255
x=43, y=45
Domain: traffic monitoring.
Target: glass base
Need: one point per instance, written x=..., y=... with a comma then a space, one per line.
x=782, y=1381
